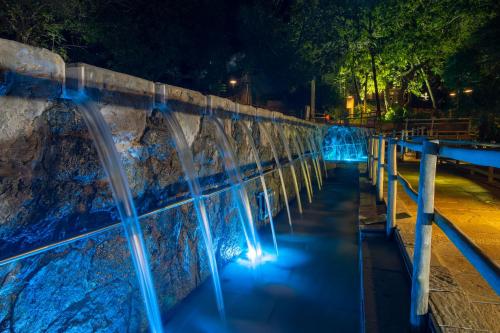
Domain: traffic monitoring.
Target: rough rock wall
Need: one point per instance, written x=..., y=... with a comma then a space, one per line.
x=52, y=187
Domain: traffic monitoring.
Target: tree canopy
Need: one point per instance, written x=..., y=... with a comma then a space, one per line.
x=360, y=47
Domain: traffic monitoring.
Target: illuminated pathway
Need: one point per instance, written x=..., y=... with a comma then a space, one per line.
x=465, y=299
x=312, y=287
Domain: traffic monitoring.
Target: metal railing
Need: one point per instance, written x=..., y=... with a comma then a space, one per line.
x=474, y=167
x=113, y=226
x=443, y=128
x=427, y=214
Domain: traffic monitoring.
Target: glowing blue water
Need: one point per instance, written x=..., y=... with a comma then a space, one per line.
x=292, y=168
x=263, y=129
x=307, y=162
x=110, y=160
x=314, y=162
x=318, y=138
x=303, y=167
x=186, y=158
x=262, y=181
x=238, y=189
x=343, y=143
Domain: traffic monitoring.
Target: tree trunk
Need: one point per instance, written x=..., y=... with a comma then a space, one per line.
x=429, y=89
x=356, y=88
x=366, y=92
x=385, y=99
x=377, y=97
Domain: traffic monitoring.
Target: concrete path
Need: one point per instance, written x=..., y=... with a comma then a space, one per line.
x=314, y=284
x=387, y=286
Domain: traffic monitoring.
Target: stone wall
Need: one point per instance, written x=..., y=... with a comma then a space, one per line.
x=52, y=187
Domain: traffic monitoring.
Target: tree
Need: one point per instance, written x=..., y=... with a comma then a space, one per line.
x=355, y=47
x=50, y=24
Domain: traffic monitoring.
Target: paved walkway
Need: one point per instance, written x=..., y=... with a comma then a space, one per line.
x=461, y=299
x=385, y=277
x=313, y=286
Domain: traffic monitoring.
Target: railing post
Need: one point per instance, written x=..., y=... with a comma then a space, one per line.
x=403, y=138
x=490, y=174
x=380, y=168
x=423, y=236
x=370, y=156
x=405, y=149
x=374, y=161
x=369, y=153
x=392, y=186
x=373, y=157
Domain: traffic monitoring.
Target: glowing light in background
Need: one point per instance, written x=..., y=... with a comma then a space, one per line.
x=343, y=143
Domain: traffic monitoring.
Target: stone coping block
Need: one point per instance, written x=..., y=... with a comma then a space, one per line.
x=29, y=71
x=219, y=105
x=246, y=110
x=263, y=113
x=124, y=100
x=185, y=96
x=31, y=80
x=110, y=86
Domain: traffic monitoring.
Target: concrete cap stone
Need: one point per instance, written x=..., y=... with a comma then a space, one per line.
x=263, y=113
x=247, y=110
x=183, y=95
x=97, y=80
x=38, y=72
x=220, y=106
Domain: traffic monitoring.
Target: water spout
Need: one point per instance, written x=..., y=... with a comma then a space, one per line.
x=238, y=186
x=302, y=167
x=110, y=160
x=314, y=162
x=292, y=167
x=186, y=158
x=263, y=129
x=319, y=139
x=262, y=181
x=303, y=158
x=317, y=157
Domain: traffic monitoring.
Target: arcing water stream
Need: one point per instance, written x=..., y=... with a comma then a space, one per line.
x=110, y=160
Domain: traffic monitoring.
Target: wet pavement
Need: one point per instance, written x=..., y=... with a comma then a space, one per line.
x=314, y=284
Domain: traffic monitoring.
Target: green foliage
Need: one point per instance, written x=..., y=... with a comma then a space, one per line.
x=423, y=46
x=476, y=66
x=412, y=42
x=51, y=24
x=396, y=114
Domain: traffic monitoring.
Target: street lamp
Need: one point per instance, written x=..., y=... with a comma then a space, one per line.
x=468, y=91
x=233, y=82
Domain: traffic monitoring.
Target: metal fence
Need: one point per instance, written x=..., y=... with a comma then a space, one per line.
x=442, y=128
x=211, y=193
x=427, y=214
